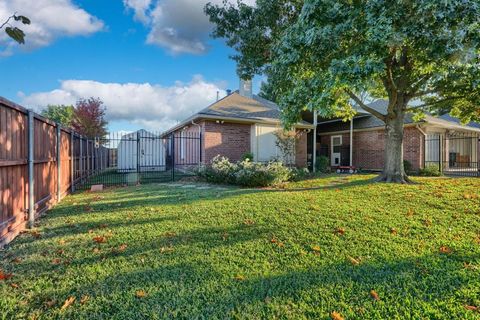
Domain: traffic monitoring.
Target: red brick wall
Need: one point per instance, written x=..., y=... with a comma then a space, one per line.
x=301, y=150
x=231, y=140
x=369, y=146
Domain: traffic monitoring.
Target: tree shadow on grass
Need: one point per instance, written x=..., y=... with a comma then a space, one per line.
x=413, y=287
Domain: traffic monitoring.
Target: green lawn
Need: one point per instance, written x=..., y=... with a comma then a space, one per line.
x=298, y=253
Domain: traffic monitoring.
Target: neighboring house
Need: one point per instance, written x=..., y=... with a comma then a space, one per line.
x=238, y=124
x=440, y=140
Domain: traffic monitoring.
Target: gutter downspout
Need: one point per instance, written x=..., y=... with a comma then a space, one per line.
x=315, y=122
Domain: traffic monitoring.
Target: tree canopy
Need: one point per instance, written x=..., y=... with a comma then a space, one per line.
x=319, y=54
x=59, y=113
x=89, y=118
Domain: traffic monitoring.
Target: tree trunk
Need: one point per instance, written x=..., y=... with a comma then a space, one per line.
x=393, y=170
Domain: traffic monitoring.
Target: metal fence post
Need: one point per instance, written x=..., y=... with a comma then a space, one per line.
x=200, y=143
x=81, y=159
x=72, y=161
x=138, y=157
x=59, y=165
x=173, y=157
x=31, y=179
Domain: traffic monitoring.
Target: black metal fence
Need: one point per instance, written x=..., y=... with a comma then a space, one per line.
x=453, y=154
x=131, y=158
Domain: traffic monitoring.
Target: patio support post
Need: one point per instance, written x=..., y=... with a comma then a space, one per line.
x=315, y=122
x=59, y=168
x=351, y=142
x=31, y=179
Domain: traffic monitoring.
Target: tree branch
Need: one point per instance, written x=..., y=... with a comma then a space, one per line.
x=6, y=22
x=364, y=106
x=439, y=101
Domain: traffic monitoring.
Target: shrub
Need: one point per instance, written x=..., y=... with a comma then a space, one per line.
x=247, y=155
x=430, y=170
x=323, y=164
x=407, y=165
x=245, y=173
x=299, y=174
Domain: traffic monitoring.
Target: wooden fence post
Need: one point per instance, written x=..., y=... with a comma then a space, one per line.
x=81, y=159
x=72, y=161
x=59, y=165
x=31, y=173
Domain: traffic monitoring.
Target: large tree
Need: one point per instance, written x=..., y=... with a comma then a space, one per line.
x=319, y=54
x=59, y=113
x=89, y=118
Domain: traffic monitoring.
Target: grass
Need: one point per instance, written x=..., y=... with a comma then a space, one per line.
x=317, y=247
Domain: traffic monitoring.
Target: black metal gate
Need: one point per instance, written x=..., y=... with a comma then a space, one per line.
x=142, y=157
x=455, y=154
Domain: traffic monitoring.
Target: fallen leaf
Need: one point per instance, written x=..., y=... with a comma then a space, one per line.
x=16, y=260
x=68, y=303
x=60, y=251
x=100, y=239
x=36, y=234
x=90, y=231
x=472, y=308
x=103, y=226
x=340, y=231
x=445, y=250
x=56, y=261
x=140, y=294
x=393, y=231
x=14, y=285
x=336, y=316
x=170, y=234
x=5, y=276
x=84, y=299
x=122, y=248
x=410, y=212
x=316, y=249
x=225, y=236
x=96, y=250
x=239, y=277
x=374, y=295
x=353, y=261
x=87, y=209
x=166, y=249
x=249, y=222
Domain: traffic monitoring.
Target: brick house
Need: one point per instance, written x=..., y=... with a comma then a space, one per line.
x=434, y=140
x=240, y=123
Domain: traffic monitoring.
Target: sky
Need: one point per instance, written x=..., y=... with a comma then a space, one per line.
x=152, y=62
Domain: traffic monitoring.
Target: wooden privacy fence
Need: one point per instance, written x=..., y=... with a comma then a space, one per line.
x=40, y=162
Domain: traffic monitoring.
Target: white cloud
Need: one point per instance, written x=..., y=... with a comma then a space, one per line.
x=180, y=26
x=150, y=106
x=51, y=19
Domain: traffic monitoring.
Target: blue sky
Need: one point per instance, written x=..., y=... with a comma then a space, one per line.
x=151, y=61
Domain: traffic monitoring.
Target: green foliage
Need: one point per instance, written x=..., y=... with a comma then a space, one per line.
x=430, y=170
x=247, y=254
x=407, y=165
x=322, y=164
x=13, y=32
x=59, y=113
x=245, y=173
x=267, y=91
x=247, y=156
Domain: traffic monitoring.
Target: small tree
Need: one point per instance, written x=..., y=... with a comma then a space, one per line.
x=89, y=118
x=59, y=113
x=286, y=141
x=15, y=33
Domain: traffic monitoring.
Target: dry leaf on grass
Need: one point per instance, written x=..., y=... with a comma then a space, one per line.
x=100, y=239
x=248, y=222
x=68, y=303
x=472, y=308
x=84, y=299
x=336, y=316
x=5, y=276
x=140, y=294
x=50, y=303
x=353, y=261
x=239, y=277
x=56, y=261
x=374, y=295
x=339, y=231
x=122, y=247
x=14, y=285
x=316, y=249
x=445, y=250
x=393, y=231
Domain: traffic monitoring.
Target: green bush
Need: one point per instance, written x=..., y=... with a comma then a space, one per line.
x=247, y=156
x=245, y=173
x=299, y=174
x=322, y=164
x=407, y=165
x=430, y=170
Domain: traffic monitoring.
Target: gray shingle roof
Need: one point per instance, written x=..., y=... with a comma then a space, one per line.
x=364, y=120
